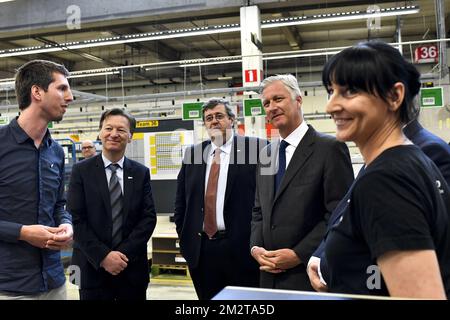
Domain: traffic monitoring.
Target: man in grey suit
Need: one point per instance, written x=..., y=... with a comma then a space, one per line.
x=300, y=179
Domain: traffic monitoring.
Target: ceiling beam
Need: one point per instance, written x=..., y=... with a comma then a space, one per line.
x=158, y=47
x=216, y=41
x=188, y=44
x=79, y=53
x=291, y=33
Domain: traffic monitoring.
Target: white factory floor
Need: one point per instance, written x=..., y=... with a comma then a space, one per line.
x=169, y=287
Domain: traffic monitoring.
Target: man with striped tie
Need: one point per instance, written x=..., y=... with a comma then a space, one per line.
x=111, y=202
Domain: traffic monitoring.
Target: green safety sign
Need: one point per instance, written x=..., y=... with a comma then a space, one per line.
x=431, y=97
x=192, y=111
x=4, y=120
x=253, y=107
x=50, y=125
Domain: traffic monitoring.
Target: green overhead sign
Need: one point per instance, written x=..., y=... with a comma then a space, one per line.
x=253, y=107
x=431, y=97
x=192, y=111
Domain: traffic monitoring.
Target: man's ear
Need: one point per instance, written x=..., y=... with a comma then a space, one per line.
x=36, y=93
x=397, y=96
x=299, y=100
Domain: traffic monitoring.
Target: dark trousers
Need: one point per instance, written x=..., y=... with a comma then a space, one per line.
x=219, y=267
x=116, y=288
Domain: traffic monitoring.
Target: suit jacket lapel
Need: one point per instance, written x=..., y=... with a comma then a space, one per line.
x=100, y=177
x=205, y=147
x=300, y=156
x=128, y=185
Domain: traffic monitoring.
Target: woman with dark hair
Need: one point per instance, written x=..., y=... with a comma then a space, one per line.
x=393, y=237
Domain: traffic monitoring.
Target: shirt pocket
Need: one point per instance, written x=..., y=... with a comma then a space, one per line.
x=50, y=180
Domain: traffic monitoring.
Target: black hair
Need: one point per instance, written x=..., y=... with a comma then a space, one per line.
x=35, y=72
x=118, y=112
x=374, y=67
x=213, y=102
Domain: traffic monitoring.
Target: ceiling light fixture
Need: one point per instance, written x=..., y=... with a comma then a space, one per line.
x=189, y=32
x=151, y=36
x=208, y=63
x=299, y=55
x=342, y=16
x=225, y=60
x=92, y=74
x=91, y=57
x=225, y=78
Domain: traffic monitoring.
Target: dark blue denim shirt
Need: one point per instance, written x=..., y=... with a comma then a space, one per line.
x=31, y=192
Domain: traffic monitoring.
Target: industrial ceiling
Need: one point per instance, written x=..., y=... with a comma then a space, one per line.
x=162, y=62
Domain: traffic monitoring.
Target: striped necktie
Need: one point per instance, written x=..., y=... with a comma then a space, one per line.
x=115, y=192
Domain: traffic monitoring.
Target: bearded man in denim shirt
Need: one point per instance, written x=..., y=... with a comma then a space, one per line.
x=34, y=226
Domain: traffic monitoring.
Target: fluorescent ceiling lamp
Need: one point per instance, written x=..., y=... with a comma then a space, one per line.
x=26, y=51
x=85, y=75
x=208, y=63
x=299, y=55
x=151, y=36
x=342, y=16
x=159, y=68
x=91, y=57
x=225, y=78
x=6, y=0
x=190, y=32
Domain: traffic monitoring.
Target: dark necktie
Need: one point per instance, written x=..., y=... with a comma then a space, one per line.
x=115, y=192
x=281, y=164
x=209, y=222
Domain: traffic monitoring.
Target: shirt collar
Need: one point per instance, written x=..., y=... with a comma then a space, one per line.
x=107, y=162
x=226, y=148
x=21, y=136
x=297, y=135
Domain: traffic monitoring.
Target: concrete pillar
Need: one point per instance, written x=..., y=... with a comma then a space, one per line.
x=252, y=65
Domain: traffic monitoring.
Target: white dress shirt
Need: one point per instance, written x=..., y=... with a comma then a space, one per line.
x=294, y=140
x=313, y=259
x=223, y=173
x=119, y=171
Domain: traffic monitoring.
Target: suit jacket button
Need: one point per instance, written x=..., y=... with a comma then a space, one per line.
x=199, y=234
x=273, y=227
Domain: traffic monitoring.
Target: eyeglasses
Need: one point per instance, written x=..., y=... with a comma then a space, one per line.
x=218, y=116
x=88, y=147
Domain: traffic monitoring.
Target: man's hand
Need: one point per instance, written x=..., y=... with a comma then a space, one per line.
x=37, y=235
x=282, y=258
x=115, y=262
x=259, y=253
x=61, y=239
x=313, y=274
